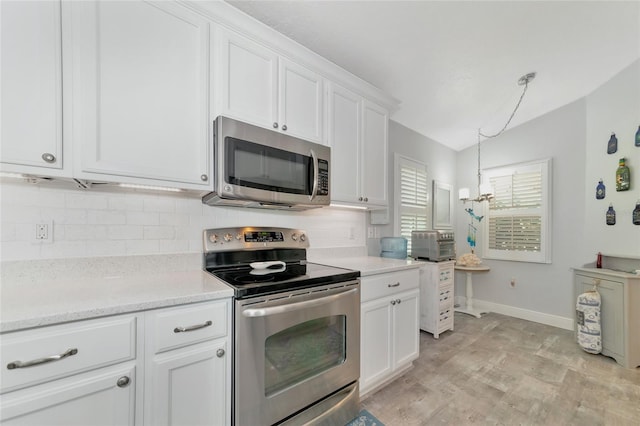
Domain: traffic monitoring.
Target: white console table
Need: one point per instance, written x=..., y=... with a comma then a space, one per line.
x=469, y=309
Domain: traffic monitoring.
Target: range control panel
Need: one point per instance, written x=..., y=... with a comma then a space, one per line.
x=243, y=238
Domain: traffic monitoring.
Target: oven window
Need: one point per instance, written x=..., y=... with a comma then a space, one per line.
x=303, y=351
x=258, y=166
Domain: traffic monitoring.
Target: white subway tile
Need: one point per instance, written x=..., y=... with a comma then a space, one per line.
x=63, y=249
x=83, y=200
x=128, y=202
x=65, y=216
x=125, y=232
x=19, y=214
x=189, y=205
x=142, y=218
x=85, y=232
x=160, y=204
x=106, y=248
x=19, y=250
x=143, y=247
x=174, y=246
x=159, y=233
x=8, y=232
x=106, y=217
x=173, y=219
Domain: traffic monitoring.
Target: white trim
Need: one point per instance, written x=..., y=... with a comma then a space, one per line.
x=525, y=314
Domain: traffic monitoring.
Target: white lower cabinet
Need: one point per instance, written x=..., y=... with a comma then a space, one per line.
x=189, y=385
x=121, y=370
x=389, y=340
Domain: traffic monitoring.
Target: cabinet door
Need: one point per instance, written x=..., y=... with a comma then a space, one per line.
x=248, y=83
x=300, y=106
x=141, y=93
x=31, y=85
x=375, y=342
x=406, y=329
x=189, y=386
x=93, y=398
x=374, y=154
x=344, y=124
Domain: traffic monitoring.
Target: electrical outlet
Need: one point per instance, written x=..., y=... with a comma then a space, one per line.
x=513, y=282
x=44, y=232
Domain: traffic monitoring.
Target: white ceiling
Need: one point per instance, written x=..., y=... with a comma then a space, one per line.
x=455, y=65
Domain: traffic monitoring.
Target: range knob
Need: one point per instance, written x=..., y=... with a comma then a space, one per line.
x=213, y=238
x=238, y=236
x=228, y=237
x=294, y=237
x=303, y=237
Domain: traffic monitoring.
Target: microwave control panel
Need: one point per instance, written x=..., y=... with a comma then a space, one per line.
x=323, y=177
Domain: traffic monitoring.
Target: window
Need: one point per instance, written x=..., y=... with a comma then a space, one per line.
x=518, y=223
x=412, y=197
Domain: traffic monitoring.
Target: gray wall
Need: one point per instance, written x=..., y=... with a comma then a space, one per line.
x=545, y=288
x=440, y=161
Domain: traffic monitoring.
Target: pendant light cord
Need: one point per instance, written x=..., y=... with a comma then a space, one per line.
x=526, y=84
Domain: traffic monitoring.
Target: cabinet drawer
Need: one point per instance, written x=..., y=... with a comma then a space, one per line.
x=35, y=356
x=445, y=275
x=381, y=285
x=445, y=295
x=446, y=315
x=177, y=327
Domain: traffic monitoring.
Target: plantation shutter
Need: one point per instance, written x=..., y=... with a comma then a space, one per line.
x=518, y=218
x=414, y=198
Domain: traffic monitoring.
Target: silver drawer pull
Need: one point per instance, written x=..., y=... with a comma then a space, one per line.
x=20, y=364
x=394, y=285
x=192, y=327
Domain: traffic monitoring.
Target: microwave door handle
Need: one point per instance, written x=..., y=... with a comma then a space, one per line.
x=314, y=190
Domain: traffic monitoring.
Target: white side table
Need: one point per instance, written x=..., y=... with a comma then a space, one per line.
x=469, y=309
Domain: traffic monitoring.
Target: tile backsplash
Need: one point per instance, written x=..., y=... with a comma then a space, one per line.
x=89, y=223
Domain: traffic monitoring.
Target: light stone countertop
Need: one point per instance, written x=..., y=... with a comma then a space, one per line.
x=370, y=265
x=46, y=292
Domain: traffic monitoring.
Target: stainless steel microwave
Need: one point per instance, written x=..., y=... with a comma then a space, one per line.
x=257, y=167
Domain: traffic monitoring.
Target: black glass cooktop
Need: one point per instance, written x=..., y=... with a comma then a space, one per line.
x=249, y=282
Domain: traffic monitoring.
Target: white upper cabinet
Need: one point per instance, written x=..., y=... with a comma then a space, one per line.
x=31, y=87
x=358, y=139
x=140, y=93
x=259, y=87
x=344, y=124
x=375, y=125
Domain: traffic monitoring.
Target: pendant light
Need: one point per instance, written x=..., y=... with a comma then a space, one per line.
x=485, y=191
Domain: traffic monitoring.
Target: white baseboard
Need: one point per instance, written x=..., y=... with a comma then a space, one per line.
x=526, y=314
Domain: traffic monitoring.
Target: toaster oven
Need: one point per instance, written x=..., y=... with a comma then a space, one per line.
x=435, y=245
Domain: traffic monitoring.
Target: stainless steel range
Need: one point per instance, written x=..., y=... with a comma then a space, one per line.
x=296, y=328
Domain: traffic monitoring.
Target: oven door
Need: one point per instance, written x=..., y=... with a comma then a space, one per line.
x=292, y=352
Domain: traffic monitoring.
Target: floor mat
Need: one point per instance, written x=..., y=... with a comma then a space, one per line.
x=365, y=418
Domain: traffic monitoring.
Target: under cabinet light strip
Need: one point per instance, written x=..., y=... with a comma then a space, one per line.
x=150, y=187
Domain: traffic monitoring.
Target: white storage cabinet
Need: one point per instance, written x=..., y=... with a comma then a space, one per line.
x=619, y=311
x=389, y=340
x=358, y=136
x=259, y=86
x=437, y=297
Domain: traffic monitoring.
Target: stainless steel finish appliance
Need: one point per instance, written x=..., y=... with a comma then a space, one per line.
x=435, y=245
x=296, y=328
x=261, y=168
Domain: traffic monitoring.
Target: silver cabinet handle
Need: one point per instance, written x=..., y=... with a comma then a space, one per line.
x=366, y=199
x=394, y=285
x=204, y=178
x=360, y=199
x=49, y=158
x=123, y=382
x=398, y=301
x=220, y=353
x=393, y=302
x=275, y=125
x=39, y=361
x=192, y=327
x=284, y=127
x=316, y=172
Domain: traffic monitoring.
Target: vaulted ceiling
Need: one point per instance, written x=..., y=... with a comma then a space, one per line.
x=455, y=65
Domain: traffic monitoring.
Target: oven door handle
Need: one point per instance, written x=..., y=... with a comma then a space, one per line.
x=273, y=310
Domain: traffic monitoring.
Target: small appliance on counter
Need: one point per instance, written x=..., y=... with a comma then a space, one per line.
x=435, y=245
x=393, y=247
